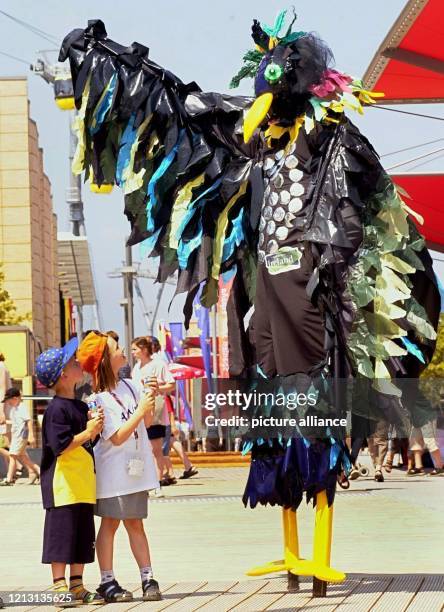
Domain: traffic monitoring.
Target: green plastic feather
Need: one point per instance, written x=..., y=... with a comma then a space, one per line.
x=252, y=59
x=277, y=27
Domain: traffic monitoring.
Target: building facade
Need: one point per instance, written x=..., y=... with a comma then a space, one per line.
x=28, y=226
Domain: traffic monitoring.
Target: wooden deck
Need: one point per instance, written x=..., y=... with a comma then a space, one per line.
x=359, y=593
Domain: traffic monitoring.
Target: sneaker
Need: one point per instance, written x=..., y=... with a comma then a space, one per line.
x=151, y=591
x=112, y=592
x=188, y=473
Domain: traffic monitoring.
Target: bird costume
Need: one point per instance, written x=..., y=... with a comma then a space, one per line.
x=282, y=194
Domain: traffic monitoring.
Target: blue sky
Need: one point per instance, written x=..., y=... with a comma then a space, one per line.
x=199, y=41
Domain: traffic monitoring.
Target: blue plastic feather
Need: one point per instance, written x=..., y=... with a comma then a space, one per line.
x=413, y=349
x=247, y=447
x=151, y=189
x=260, y=371
x=191, y=208
x=104, y=106
x=184, y=249
x=335, y=451
x=126, y=142
x=235, y=238
x=229, y=274
x=149, y=243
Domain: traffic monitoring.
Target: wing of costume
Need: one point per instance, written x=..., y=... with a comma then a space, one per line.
x=174, y=151
x=301, y=212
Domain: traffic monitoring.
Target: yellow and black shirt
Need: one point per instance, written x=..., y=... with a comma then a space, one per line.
x=66, y=477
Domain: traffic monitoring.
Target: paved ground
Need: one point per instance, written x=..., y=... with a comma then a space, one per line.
x=203, y=540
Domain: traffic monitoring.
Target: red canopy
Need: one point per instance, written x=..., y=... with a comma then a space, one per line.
x=195, y=361
x=409, y=65
x=427, y=198
x=184, y=372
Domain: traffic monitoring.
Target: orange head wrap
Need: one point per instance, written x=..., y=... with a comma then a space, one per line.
x=90, y=352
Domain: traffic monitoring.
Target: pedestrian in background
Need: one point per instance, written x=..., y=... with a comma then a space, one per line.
x=421, y=439
x=5, y=384
x=22, y=433
x=149, y=367
x=173, y=440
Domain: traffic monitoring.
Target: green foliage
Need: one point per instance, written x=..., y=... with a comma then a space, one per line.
x=8, y=310
x=436, y=367
x=432, y=379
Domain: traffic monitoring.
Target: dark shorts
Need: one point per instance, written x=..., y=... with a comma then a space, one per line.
x=156, y=431
x=69, y=535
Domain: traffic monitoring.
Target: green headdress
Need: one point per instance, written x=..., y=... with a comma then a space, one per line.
x=266, y=39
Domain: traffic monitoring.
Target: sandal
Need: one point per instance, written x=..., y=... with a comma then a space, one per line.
x=112, y=592
x=354, y=474
x=379, y=476
x=151, y=591
x=415, y=472
x=388, y=466
x=343, y=481
x=437, y=472
x=188, y=473
x=7, y=483
x=92, y=599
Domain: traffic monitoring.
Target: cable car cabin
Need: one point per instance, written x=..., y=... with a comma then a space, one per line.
x=63, y=93
x=104, y=188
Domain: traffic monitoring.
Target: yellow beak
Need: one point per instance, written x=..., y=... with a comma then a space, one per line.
x=256, y=114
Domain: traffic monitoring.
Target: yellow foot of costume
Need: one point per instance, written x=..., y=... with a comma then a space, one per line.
x=299, y=567
x=319, y=566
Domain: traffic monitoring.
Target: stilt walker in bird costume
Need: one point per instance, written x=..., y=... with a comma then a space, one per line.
x=283, y=193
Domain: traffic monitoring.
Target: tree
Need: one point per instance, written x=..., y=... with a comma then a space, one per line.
x=434, y=373
x=8, y=310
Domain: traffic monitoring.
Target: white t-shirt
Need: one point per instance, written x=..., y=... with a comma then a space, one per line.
x=19, y=422
x=112, y=461
x=156, y=367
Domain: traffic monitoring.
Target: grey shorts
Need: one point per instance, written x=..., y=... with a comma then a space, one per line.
x=18, y=446
x=424, y=437
x=122, y=507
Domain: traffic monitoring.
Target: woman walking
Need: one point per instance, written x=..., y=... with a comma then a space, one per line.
x=148, y=367
x=124, y=464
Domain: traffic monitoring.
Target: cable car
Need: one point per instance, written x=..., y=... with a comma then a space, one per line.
x=63, y=93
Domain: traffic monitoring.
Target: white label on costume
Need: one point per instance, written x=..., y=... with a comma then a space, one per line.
x=284, y=260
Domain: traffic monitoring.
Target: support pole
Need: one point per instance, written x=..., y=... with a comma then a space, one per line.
x=74, y=191
x=128, y=305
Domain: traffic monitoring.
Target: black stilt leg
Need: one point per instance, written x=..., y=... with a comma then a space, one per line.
x=293, y=583
x=319, y=588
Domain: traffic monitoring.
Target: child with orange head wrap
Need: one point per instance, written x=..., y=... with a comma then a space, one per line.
x=124, y=463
